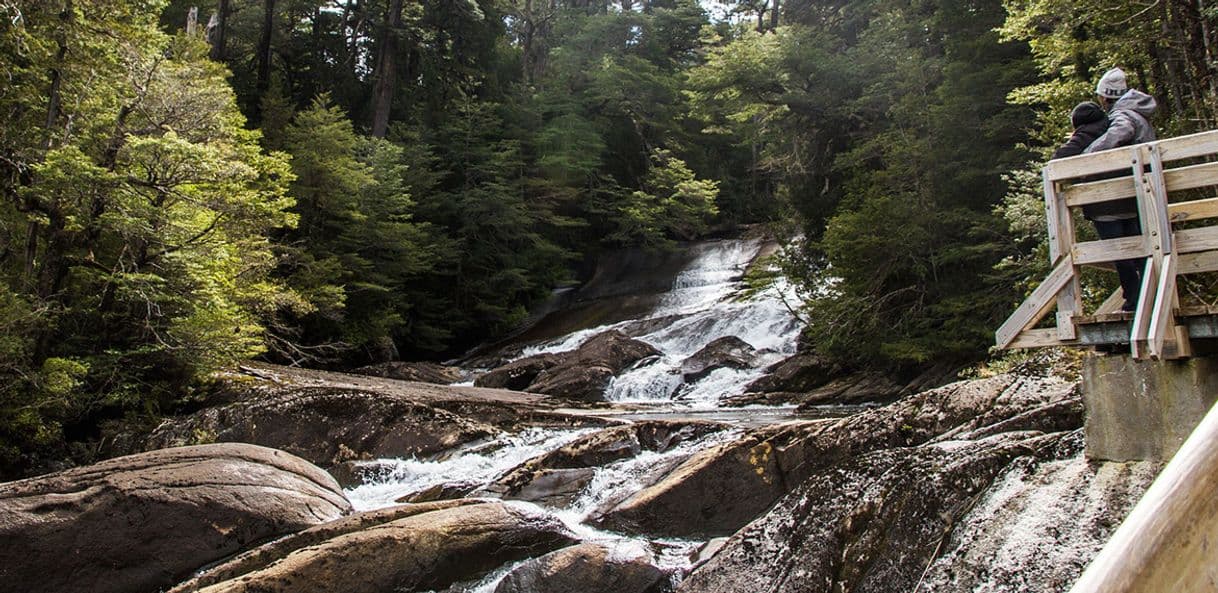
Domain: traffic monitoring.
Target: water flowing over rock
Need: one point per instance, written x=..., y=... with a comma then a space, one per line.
x=588, y=568
x=717, y=491
x=580, y=374
x=405, y=552
x=143, y=522
x=557, y=477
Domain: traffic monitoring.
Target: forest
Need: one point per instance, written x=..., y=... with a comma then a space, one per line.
x=192, y=183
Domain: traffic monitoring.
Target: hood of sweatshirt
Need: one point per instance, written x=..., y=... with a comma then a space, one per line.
x=1137, y=102
x=1087, y=112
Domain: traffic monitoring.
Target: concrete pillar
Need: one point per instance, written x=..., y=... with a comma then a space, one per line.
x=1142, y=409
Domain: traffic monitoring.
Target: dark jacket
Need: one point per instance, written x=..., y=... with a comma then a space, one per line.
x=1129, y=124
x=1090, y=122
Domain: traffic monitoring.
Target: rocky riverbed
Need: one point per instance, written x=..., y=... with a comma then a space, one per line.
x=687, y=446
x=978, y=485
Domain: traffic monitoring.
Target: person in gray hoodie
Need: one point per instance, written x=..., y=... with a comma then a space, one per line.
x=1129, y=113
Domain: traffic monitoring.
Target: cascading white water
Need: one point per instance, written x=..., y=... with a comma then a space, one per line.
x=705, y=303
x=475, y=466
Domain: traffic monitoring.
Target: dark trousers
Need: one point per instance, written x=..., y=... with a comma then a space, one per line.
x=1129, y=270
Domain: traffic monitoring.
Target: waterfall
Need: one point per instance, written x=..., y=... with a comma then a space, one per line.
x=706, y=302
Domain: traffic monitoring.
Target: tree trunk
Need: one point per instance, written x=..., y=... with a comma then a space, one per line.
x=382, y=94
x=219, y=35
x=774, y=15
x=54, y=99
x=264, y=48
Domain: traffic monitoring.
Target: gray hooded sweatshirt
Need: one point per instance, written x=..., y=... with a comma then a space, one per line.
x=1130, y=122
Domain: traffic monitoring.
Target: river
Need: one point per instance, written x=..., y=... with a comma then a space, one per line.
x=706, y=300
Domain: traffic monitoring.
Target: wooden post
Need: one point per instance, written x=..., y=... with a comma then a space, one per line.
x=1061, y=241
x=1152, y=210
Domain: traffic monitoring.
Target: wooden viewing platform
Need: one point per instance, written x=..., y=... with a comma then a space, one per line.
x=1168, y=179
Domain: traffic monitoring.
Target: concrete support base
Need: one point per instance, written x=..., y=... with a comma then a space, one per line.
x=1143, y=410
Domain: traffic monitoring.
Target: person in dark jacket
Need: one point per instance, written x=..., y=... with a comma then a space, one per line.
x=1129, y=113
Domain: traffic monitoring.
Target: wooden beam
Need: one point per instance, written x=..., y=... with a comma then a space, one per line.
x=1112, y=304
x=1178, y=179
x=1194, y=240
x=1037, y=338
x=1161, y=321
x=1139, y=330
x=1166, y=543
x=1061, y=241
x=1187, y=147
x=1109, y=250
x=1081, y=194
x=1172, y=149
x=1034, y=308
x=1196, y=263
x=1089, y=164
x=1194, y=210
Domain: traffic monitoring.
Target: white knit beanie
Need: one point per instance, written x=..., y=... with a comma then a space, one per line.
x=1112, y=84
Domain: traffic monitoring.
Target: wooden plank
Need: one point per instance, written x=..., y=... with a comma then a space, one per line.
x=1036, y=305
x=1139, y=330
x=1089, y=164
x=1178, y=179
x=1196, y=263
x=1161, y=321
x=1194, y=210
x=1112, y=304
x=1061, y=241
x=1172, y=149
x=1109, y=250
x=1037, y=338
x=1194, y=240
x=1187, y=147
x=1081, y=194
x=1166, y=543
x=1181, y=346
x=1158, y=188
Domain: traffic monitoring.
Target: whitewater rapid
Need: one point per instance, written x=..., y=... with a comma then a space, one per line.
x=707, y=300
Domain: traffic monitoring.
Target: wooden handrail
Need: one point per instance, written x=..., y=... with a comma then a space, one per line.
x=1168, y=252
x=1167, y=543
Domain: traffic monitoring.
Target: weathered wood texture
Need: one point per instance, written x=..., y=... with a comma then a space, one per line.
x=1150, y=179
x=1167, y=542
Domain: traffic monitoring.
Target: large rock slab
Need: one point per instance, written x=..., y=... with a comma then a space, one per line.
x=417, y=552
x=728, y=352
x=580, y=374
x=328, y=425
x=588, y=568
x=518, y=374
x=719, y=490
x=143, y=522
x=871, y=524
x=424, y=372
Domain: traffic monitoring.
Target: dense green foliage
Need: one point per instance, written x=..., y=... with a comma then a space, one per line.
x=334, y=182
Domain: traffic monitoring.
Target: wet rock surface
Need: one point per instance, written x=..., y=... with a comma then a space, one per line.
x=580, y=374
x=415, y=551
x=424, y=372
x=144, y=522
x=328, y=426
x=727, y=352
x=556, y=477
x=587, y=568
x=718, y=491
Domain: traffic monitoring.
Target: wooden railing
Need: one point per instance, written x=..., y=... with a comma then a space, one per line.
x=1157, y=173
